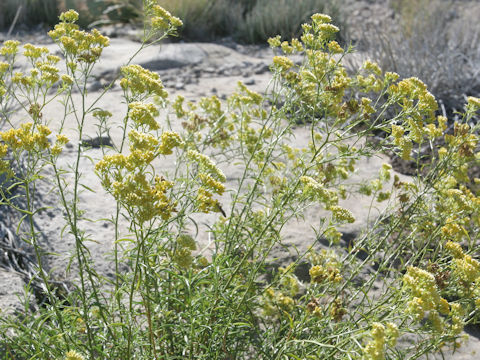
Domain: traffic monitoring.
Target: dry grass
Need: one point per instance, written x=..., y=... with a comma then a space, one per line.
x=435, y=42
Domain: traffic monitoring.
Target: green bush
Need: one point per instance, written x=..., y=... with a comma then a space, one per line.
x=412, y=273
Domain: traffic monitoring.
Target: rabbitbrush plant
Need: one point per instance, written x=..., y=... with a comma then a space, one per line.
x=169, y=300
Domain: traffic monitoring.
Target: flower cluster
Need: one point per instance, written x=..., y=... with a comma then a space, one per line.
x=276, y=302
x=341, y=215
x=44, y=71
x=59, y=144
x=319, y=32
x=424, y=292
x=316, y=191
x=465, y=269
x=185, y=244
x=149, y=201
x=82, y=46
x=282, y=63
x=143, y=115
x=473, y=103
x=325, y=267
x=380, y=336
x=320, y=274
x=211, y=183
x=211, y=179
x=26, y=138
x=424, y=289
x=206, y=164
x=161, y=19
x=169, y=141
x=140, y=81
x=73, y=355
x=418, y=110
x=124, y=176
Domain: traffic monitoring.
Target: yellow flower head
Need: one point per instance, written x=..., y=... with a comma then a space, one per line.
x=283, y=63
x=141, y=81
x=206, y=163
x=340, y=214
x=73, y=355
x=321, y=18
x=209, y=182
x=144, y=114
x=34, y=52
x=186, y=241
x=69, y=16
x=473, y=102
x=170, y=140
x=9, y=48
x=274, y=41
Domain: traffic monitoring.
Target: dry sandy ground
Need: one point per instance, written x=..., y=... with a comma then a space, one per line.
x=193, y=70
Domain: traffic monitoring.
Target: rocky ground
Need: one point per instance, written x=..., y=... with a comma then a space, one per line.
x=193, y=70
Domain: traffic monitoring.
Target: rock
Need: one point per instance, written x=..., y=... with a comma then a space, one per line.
x=154, y=58
x=10, y=291
x=250, y=81
x=235, y=71
x=97, y=142
x=261, y=68
x=223, y=70
x=197, y=72
x=187, y=80
x=96, y=85
x=173, y=56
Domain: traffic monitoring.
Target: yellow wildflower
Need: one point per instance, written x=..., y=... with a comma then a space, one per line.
x=9, y=48
x=473, y=102
x=206, y=163
x=209, y=182
x=169, y=140
x=141, y=81
x=340, y=214
x=144, y=114
x=282, y=63
x=375, y=348
x=69, y=16
x=73, y=355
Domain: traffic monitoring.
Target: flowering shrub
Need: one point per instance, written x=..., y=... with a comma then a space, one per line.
x=166, y=299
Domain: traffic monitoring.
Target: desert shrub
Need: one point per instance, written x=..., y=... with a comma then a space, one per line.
x=96, y=12
x=433, y=42
x=284, y=17
x=252, y=21
x=205, y=20
x=412, y=273
x=32, y=12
